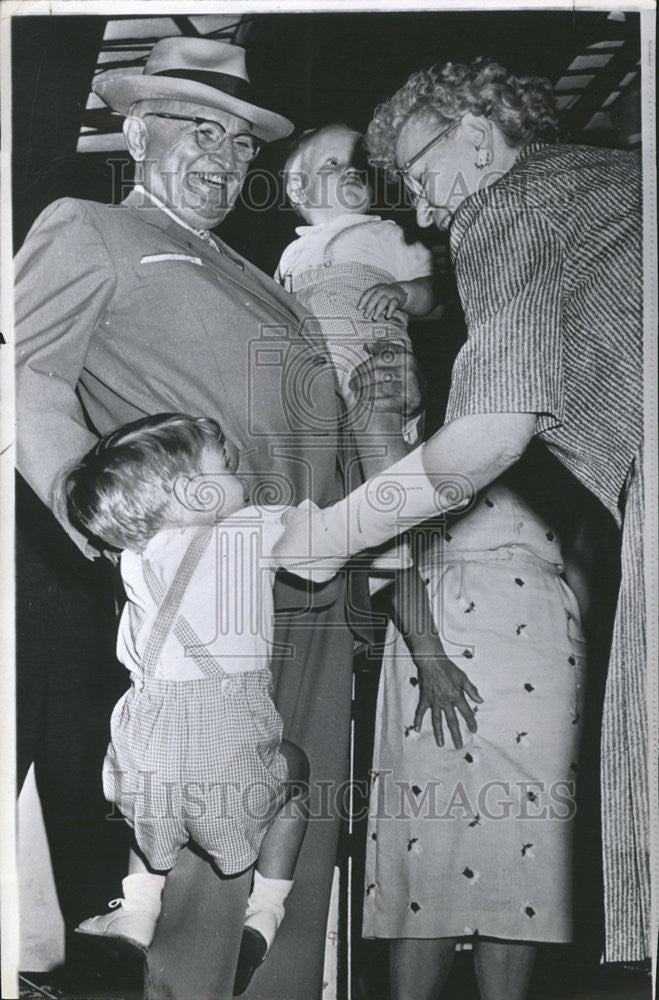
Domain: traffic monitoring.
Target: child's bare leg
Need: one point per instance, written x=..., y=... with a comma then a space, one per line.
x=381, y=443
x=136, y=863
x=273, y=878
x=281, y=845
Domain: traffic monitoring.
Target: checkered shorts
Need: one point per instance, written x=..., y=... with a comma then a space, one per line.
x=332, y=294
x=198, y=760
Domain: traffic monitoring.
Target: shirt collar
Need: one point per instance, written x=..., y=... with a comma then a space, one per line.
x=171, y=540
x=168, y=540
x=336, y=225
x=203, y=234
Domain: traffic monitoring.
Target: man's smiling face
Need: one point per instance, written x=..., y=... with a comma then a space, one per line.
x=199, y=186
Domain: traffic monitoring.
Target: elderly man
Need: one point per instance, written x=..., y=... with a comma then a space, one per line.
x=135, y=309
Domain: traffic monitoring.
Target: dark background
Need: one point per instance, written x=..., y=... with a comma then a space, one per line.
x=314, y=69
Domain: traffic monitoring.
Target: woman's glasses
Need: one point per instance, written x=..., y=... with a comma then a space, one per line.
x=210, y=135
x=416, y=188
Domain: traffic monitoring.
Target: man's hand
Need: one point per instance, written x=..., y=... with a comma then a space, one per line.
x=381, y=301
x=442, y=689
x=389, y=381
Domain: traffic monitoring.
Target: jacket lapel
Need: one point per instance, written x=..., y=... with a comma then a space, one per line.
x=283, y=306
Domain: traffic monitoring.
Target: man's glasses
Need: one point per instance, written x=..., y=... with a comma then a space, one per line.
x=415, y=187
x=210, y=135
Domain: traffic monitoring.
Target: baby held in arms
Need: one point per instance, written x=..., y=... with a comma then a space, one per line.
x=196, y=751
x=355, y=272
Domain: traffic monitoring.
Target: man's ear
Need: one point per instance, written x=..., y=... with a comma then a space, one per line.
x=135, y=133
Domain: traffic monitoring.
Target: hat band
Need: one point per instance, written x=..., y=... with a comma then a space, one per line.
x=234, y=86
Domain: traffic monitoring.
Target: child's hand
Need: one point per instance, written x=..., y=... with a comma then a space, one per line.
x=381, y=301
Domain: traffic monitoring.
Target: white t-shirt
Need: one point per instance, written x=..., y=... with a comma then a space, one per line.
x=379, y=244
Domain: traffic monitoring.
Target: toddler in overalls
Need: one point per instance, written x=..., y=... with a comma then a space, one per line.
x=196, y=751
x=355, y=272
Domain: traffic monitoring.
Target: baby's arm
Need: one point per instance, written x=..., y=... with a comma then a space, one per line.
x=415, y=297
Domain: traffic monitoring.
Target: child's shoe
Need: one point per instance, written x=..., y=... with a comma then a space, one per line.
x=265, y=912
x=131, y=924
x=253, y=949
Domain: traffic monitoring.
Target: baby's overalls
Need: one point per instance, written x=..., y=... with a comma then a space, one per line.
x=195, y=759
x=331, y=292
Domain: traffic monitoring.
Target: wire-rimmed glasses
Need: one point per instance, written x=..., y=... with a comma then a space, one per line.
x=415, y=187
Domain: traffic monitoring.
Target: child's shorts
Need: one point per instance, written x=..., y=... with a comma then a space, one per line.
x=198, y=760
x=332, y=294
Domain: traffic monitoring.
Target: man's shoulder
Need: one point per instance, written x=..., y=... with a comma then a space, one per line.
x=69, y=218
x=74, y=208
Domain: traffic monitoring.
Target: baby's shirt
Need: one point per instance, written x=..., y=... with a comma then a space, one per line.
x=228, y=605
x=329, y=268
x=376, y=243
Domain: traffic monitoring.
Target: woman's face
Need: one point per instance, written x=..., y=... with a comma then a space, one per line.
x=445, y=175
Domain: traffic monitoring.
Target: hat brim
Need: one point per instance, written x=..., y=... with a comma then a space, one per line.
x=120, y=90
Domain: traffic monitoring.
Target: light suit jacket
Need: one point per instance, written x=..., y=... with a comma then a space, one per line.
x=121, y=312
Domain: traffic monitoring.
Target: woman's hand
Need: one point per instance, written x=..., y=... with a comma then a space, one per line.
x=389, y=381
x=442, y=689
x=442, y=685
x=381, y=301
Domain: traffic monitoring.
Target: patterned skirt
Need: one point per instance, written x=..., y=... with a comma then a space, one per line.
x=477, y=840
x=198, y=760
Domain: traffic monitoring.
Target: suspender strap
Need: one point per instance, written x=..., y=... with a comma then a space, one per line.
x=183, y=631
x=168, y=610
x=328, y=257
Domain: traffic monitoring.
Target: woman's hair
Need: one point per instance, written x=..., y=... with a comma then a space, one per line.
x=522, y=106
x=120, y=491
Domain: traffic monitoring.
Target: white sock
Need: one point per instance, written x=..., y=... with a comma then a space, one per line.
x=143, y=891
x=265, y=908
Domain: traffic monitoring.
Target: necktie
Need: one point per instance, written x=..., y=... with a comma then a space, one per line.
x=204, y=235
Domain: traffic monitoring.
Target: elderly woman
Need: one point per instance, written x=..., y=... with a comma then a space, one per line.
x=545, y=241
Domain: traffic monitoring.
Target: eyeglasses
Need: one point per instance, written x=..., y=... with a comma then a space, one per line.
x=414, y=186
x=210, y=135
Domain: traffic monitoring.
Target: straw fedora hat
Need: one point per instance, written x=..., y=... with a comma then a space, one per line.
x=200, y=70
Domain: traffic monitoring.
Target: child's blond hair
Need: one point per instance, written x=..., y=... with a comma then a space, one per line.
x=119, y=493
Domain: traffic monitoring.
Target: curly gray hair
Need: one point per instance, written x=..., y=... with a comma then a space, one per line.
x=522, y=107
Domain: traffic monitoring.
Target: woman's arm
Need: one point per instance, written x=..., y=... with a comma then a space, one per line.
x=442, y=685
x=478, y=446
x=475, y=450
